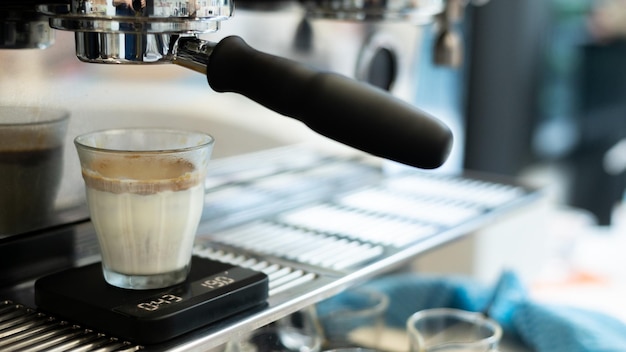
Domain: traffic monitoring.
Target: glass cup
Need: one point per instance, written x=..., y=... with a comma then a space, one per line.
x=353, y=318
x=145, y=192
x=452, y=330
x=31, y=165
x=297, y=332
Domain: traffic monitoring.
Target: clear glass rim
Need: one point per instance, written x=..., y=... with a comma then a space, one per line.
x=48, y=116
x=81, y=140
x=464, y=315
x=382, y=302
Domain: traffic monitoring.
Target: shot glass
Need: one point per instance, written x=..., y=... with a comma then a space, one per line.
x=452, y=330
x=145, y=192
x=353, y=319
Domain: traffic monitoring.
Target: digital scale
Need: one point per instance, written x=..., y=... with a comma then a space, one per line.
x=212, y=291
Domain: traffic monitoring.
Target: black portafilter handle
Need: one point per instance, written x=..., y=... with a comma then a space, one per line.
x=338, y=107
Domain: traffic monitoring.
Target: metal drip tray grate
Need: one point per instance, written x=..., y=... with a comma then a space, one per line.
x=280, y=277
x=359, y=224
x=299, y=245
x=25, y=329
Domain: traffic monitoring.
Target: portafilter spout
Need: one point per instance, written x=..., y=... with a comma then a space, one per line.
x=336, y=106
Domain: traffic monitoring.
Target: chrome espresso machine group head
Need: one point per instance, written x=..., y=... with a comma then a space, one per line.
x=145, y=31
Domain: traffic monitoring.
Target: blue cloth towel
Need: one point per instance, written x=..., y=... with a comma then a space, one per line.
x=542, y=327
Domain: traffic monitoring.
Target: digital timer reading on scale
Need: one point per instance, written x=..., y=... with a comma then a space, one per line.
x=169, y=298
x=217, y=282
x=155, y=304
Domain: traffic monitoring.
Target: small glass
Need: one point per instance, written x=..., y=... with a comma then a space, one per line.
x=31, y=165
x=297, y=332
x=452, y=330
x=353, y=318
x=145, y=192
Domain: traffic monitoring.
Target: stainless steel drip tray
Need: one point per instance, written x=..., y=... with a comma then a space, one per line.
x=316, y=224
x=329, y=223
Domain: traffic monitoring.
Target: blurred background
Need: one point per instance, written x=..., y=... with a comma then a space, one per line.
x=546, y=92
x=543, y=100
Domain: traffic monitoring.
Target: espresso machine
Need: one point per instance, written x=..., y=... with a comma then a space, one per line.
x=308, y=70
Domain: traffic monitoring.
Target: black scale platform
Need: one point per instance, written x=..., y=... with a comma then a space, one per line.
x=213, y=291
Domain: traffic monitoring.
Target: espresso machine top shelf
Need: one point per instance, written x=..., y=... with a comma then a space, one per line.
x=314, y=223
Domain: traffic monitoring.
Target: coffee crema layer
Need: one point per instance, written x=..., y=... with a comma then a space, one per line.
x=141, y=174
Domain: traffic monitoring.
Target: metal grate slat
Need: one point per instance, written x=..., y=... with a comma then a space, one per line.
x=25, y=329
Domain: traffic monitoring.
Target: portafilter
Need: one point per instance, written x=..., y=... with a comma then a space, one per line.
x=336, y=106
